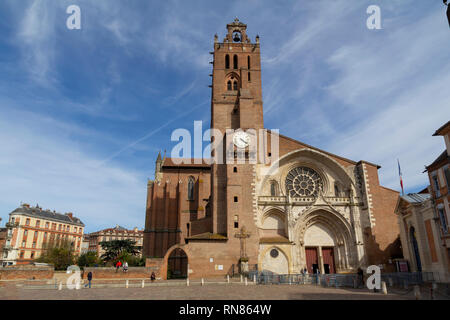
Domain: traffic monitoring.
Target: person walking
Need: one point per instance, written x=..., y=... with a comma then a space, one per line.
x=153, y=276
x=89, y=277
x=118, y=264
x=125, y=266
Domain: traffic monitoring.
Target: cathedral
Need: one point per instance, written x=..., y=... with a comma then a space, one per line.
x=306, y=208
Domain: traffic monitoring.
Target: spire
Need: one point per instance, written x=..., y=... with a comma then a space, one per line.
x=159, y=157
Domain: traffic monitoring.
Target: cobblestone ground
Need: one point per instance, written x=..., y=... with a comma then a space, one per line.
x=207, y=292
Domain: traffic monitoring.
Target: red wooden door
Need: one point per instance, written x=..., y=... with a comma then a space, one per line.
x=328, y=259
x=311, y=258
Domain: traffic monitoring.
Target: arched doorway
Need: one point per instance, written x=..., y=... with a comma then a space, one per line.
x=177, y=263
x=415, y=247
x=326, y=242
x=320, y=246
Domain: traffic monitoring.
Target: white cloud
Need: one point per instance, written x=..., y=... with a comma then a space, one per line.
x=41, y=165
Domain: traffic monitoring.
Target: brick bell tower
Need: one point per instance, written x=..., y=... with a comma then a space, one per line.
x=236, y=103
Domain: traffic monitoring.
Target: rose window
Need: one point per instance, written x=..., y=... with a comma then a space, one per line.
x=303, y=182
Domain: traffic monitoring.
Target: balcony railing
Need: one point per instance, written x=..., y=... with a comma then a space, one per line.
x=7, y=247
x=11, y=224
x=305, y=200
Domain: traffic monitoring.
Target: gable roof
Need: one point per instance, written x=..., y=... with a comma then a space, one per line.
x=441, y=157
x=441, y=131
x=328, y=153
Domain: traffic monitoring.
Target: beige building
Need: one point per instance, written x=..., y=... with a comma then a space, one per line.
x=420, y=235
x=29, y=228
x=116, y=233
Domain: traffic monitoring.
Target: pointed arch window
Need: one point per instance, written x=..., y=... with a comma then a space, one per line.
x=191, y=188
x=229, y=85
x=227, y=62
x=235, y=62
x=235, y=85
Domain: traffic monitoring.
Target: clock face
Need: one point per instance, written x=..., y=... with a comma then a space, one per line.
x=241, y=139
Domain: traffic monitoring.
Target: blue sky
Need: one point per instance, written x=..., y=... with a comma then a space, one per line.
x=83, y=113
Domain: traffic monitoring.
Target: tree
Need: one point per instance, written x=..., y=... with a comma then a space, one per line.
x=89, y=259
x=58, y=253
x=115, y=248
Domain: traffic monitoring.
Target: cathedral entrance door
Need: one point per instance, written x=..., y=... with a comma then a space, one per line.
x=328, y=260
x=312, y=262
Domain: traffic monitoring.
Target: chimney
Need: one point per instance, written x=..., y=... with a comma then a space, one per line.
x=70, y=215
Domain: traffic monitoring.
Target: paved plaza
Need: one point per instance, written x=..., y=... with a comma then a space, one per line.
x=206, y=292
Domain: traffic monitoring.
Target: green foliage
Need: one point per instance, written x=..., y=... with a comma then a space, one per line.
x=58, y=253
x=133, y=261
x=89, y=259
x=115, y=248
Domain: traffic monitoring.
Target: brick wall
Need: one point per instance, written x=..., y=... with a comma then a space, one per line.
x=110, y=273
x=382, y=239
x=26, y=273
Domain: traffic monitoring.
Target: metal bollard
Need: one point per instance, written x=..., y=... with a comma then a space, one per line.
x=60, y=286
x=383, y=287
x=228, y=278
x=126, y=284
x=203, y=282
x=241, y=278
x=254, y=278
x=246, y=281
x=187, y=282
x=143, y=283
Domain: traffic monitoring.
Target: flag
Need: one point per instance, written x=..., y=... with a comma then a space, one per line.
x=400, y=175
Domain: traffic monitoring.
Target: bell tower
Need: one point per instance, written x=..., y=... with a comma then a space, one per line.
x=236, y=103
x=236, y=99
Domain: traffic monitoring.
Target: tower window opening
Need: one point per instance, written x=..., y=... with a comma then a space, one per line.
x=248, y=62
x=227, y=62
x=191, y=188
x=235, y=199
x=235, y=85
x=229, y=85
x=236, y=221
x=235, y=62
x=235, y=169
x=249, y=79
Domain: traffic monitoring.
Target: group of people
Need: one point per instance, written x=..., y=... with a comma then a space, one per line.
x=119, y=264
